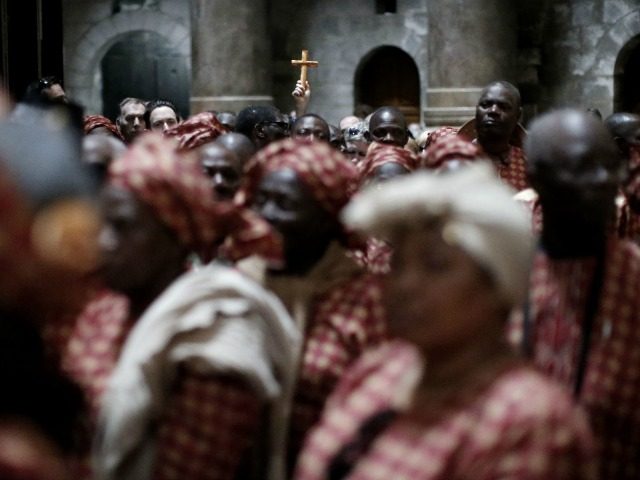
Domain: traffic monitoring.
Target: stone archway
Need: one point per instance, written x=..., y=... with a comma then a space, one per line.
x=388, y=75
x=626, y=96
x=82, y=69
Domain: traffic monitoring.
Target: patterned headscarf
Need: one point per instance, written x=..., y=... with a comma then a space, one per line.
x=196, y=131
x=91, y=122
x=329, y=176
x=173, y=184
x=449, y=147
x=439, y=133
x=381, y=154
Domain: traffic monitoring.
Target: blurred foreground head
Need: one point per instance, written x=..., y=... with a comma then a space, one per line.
x=48, y=224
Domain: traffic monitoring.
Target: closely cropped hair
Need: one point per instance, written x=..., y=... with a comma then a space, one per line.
x=249, y=117
x=153, y=104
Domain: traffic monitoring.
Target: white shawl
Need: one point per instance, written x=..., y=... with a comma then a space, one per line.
x=218, y=321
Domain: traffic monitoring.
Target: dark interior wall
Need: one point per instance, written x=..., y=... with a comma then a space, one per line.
x=31, y=42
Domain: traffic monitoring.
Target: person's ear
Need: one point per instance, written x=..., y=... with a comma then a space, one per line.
x=258, y=131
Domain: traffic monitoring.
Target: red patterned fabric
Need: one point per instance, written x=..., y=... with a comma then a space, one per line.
x=344, y=322
x=175, y=187
x=439, y=133
x=196, y=131
x=92, y=122
x=513, y=169
x=611, y=386
x=330, y=177
x=376, y=257
x=515, y=424
x=208, y=423
x=386, y=154
x=206, y=429
x=448, y=147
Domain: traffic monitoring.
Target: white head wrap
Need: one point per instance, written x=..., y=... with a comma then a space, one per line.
x=478, y=213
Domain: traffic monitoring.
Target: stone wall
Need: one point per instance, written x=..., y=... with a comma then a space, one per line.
x=339, y=33
x=584, y=38
x=90, y=29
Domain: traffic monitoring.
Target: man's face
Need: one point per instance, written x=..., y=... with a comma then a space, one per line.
x=497, y=113
x=134, y=245
x=223, y=167
x=388, y=127
x=285, y=202
x=311, y=128
x=56, y=92
x=131, y=120
x=162, y=119
x=271, y=131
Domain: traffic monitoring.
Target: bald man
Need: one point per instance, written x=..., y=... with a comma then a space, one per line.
x=582, y=322
x=223, y=167
x=497, y=114
x=387, y=125
x=238, y=144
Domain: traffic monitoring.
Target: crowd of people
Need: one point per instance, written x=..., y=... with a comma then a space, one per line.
x=261, y=295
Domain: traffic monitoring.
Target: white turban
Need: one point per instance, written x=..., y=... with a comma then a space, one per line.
x=478, y=213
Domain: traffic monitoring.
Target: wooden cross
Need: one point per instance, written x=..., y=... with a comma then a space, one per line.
x=304, y=63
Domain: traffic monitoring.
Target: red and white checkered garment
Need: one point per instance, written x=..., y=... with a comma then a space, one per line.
x=196, y=131
x=514, y=170
x=375, y=257
x=345, y=321
x=209, y=421
x=449, y=147
x=516, y=425
x=439, y=133
x=383, y=154
x=611, y=385
x=207, y=429
x=91, y=122
x=178, y=191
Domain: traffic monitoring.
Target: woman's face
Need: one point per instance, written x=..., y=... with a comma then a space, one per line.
x=436, y=295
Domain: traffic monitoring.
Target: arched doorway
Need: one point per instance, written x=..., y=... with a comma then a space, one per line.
x=143, y=65
x=389, y=76
x=626, y=94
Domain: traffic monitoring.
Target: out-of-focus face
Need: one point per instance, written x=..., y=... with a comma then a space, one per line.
x=436, y=295
x=131, y=120
x=497, y=113
x=135, y=246
x=224, y=169
x=388, y=127
x=386, y=172
x=284, y=201
x=162, y=119
x=311, y=128
x=270, y=131
x=56, y=92
x=227, y=119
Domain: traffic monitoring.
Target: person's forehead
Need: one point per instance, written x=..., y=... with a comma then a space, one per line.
x=163, y=112
x=497, y=92
x=311, y=122
x=133, y=109
x=282, y=180
x=387, y=118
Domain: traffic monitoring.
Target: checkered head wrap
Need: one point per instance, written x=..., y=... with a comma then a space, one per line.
x=196, y=131
x=173, y=184
x=91, y=122
x=439, y=133
x=329, y=176
x=383, y=154
x=449, y=147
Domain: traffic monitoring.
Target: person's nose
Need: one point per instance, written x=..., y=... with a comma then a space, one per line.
x=107, y=240
x=136, y=122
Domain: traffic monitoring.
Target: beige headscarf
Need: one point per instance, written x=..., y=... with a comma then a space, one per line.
x=478, y=212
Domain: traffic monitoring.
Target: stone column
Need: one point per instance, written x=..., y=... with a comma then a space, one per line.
x=230, y=55
x=471, y=43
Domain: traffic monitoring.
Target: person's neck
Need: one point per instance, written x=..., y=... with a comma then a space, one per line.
x=495, y=146
x=564, y=239
x=451, y=371
x=140, y=299
x=300, y=261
